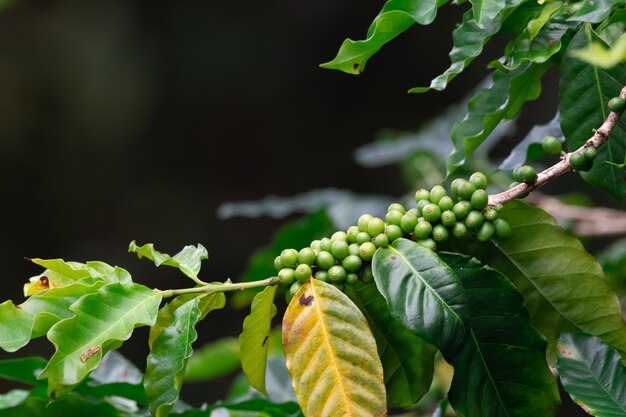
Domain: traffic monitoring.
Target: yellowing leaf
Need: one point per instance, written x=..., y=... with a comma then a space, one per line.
x=331, y=355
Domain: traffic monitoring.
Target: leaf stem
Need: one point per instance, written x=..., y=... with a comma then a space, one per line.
x=600, y=136
x=220, y=287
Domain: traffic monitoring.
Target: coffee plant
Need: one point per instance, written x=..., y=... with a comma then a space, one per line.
x=461, y=278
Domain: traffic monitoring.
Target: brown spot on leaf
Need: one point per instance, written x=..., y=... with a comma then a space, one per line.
x=19, y=307
x=89, y=353
x=44, y=281
x=264, y=341
x=355, y=66
x=306, y=301
x=393, y=258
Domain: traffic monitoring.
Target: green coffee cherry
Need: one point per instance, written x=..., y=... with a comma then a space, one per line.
x=498, y=207
x=307, y=256
x=289, y=257
x=485, y=232
x=461, y=209
x=353, y=249
x=525, y=173
x=352, y=263
x=590, y=153
x=422, y=230
x=325, y=260
x=287, y=276
x=578, y=162
x=414, y=211
x=617, y=104
x=551, y=145
x=363, y=237
x=351, y=235
x=479, y=199
x=340, y=249
x=421, y=204
x=363, y=222
x=278, y=264
x=336, y=274
x=474, y=220
x=440, y=233
x=338, y=236
x=454, y=185
x=437, y=193
x=466, y=189
x=394, y=217
x=322, y=275
x=375, y=227
x=393, y=232
x=351, y=278
x=325, y=244
x=446, y=203
x=431, y=213
x=422, y=194
x=303, y=273
x=428, y=243
x=479, y=180
x=294, y=288
x=408, y=223
x=315, y=245
x=490, y=214
x=460, y=230
x=381, y=241
x=448, y=219
x=367, y=275
x=366, y=251
x=502, y=229
x=396, y=206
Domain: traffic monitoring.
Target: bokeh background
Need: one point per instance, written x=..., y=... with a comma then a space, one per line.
x=124, y=120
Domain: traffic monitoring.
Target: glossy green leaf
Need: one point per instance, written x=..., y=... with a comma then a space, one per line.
x=169, y=352
x=584, y=93
x=102, y=321
x=502, y=370
x=13, y=398
x=468, y=40
x=598, y=55
x=561, y=283
x=395, y=17
x=253, y=339
x=594, y=11
x=331, y=354
x=423, y=294
x=188, y=260
x=487, y=10
x=16, y=326
x=72, y=405
x=491, y=106
x=592, y=374
x=213, y=360
x=547, y=11
x=24, y=370
x=408, y=361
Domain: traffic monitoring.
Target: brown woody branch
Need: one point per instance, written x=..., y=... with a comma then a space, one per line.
x=600, y=136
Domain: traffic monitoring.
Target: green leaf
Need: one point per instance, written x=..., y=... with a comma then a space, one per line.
x=561, y=283
x=468, y=40
x=408, y=361
x=253, y=339
x=12, y=398
x=102, y=320
x=422, y=293
x=592, y=374
x=168, y=357
x=214, y=360
x=188, y=260
x=486, y=10
x=491, y=106
x=22, y=370
x=331, y=354
x=16, y=326
x=502, y=370
x=584, y=92
x=594, y=11
x=598, y=55
x=395, y=17
x=71, y=405
x=547, y=11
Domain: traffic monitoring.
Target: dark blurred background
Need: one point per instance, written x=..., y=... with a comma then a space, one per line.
x=124, y=120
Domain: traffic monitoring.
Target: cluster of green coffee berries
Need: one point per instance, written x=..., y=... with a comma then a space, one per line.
x=580, y=161
x=345, y=257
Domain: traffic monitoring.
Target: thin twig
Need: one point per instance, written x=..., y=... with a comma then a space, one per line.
x=223, y=287
x=600, y=136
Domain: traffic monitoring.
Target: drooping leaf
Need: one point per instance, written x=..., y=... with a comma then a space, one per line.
x=530, y=149
x=562, y=285
x=253, y=339
x=16, y=326
x=188, y=260
x=491, y=106
x=22, y=370
x=395, y=17
x=213, y=360
x=102, y=320
x=422, y=293
x=584, y=92
x=592, y=374
x=169, y=352
x=502, y=370
x=331, y=354
x=594, y=11
x=408, y=361
x=598, y=55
